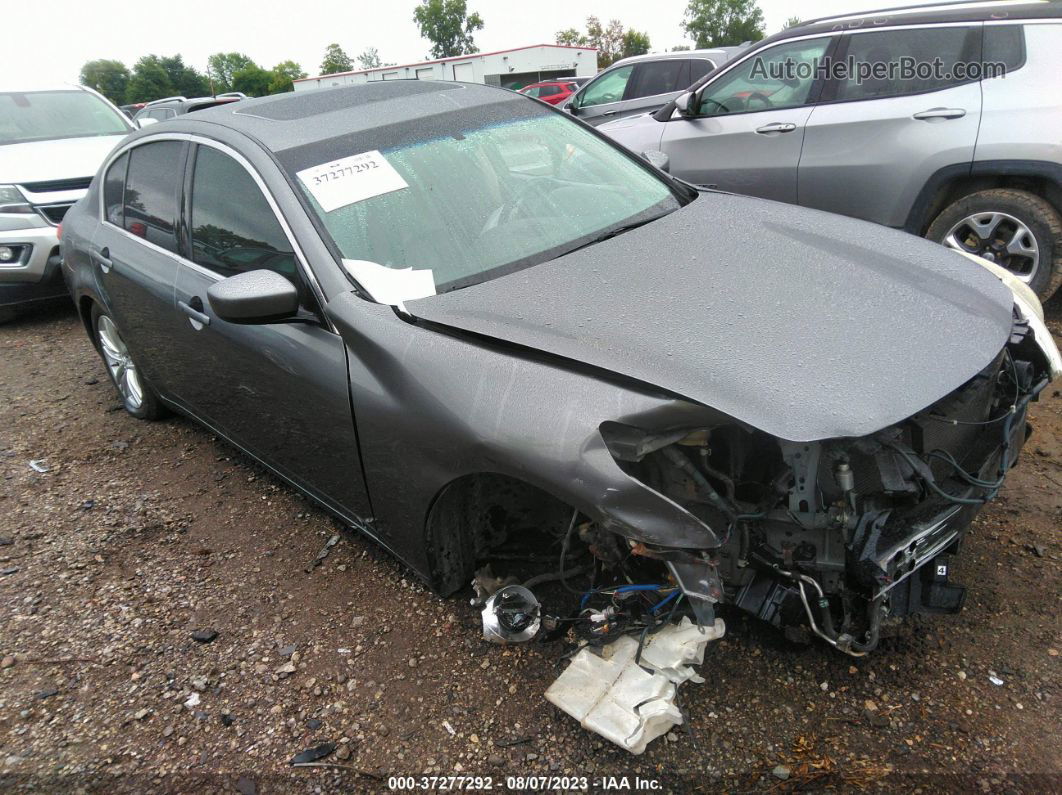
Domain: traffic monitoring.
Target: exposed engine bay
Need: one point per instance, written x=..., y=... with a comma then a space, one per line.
x=830, y=537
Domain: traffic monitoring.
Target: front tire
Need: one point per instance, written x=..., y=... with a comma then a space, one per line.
x=1013, y=228
x=137, y=396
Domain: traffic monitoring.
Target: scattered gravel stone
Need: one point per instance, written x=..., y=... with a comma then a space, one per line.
x=7, y=662
x=204, y=635
x=781, y=772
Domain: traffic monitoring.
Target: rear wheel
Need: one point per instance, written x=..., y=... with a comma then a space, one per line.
x=138, y=398
x=1015, y=229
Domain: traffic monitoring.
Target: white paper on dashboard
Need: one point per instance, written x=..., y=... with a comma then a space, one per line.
x=338, y=183
x=391, y=285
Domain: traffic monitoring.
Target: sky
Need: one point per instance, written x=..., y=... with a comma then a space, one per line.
x=63, y=34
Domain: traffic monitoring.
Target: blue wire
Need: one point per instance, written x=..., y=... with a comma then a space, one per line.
x=621, y=589
x=665, y=600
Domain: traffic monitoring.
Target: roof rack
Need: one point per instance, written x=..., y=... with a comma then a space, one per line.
x=913, y=7
x=237, y=94
x=165, y=99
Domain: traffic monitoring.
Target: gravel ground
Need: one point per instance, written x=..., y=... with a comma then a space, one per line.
x=141, y=541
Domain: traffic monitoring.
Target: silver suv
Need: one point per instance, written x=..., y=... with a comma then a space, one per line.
x=644, y=83
x=52, y=140
x=945, y=121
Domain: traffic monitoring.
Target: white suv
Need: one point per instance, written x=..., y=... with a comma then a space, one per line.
x=52, y=140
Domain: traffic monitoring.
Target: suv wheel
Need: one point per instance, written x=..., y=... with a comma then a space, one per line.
x=1015, y=229
x=138, y=398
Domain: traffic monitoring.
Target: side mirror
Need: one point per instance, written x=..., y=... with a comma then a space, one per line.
x=684, y=102
x=658, y=159
x=254, y=297
x=144, y=122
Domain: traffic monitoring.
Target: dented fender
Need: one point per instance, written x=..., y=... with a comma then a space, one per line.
x=431, y=407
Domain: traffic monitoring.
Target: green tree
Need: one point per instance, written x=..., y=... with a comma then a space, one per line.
x=110, y=78
x=252, y=80
x=283, y=76
x=792, y=22
x=149, y=80
x=448, y=26
x=608, y=39
x=635, y=43
x=722, y=23
x=370, y=59
x=335, y=60
x=571, y=37
x=223, y=65
x=185, y=80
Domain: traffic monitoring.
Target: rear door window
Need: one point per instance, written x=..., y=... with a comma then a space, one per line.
x=234, y=228
x=151, y=189
x=658, y=77
x=549, y=91
x=114, y=188
x=699, y=67
x=894, y=63
x=1004, y=45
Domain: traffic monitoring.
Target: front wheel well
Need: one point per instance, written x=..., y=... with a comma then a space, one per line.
x=480, y=512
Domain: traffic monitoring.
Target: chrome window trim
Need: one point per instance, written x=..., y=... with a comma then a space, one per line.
x=300, y=258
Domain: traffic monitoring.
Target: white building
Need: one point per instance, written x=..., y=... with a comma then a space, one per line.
x=507, y=68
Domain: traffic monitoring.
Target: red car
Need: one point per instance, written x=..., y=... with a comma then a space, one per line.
x=552, y=91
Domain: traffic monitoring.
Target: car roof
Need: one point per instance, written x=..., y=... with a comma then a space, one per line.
x=717, y=52
x=344, y=110
x=931, y=13
x=560, y=81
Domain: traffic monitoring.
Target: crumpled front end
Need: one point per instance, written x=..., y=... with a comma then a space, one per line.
x=835, y=536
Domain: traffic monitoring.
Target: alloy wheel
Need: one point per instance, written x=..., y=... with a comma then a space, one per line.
x=120, y=363
x=1000, y=238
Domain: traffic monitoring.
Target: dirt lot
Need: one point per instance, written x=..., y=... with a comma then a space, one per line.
x=140, y=534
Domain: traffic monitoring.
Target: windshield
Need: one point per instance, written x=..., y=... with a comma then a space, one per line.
x=474, y=204
x=45, y=115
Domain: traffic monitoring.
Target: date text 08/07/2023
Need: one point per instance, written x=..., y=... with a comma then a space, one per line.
x=522, y=783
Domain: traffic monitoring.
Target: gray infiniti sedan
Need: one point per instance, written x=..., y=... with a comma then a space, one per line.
x=457, y=319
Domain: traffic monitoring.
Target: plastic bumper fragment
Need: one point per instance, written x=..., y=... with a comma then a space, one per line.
x=627, y=703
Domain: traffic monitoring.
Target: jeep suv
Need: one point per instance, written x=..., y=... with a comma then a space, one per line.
x=52, y=140
x=964, y=147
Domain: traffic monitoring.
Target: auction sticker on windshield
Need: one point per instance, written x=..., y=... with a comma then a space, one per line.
x=338, y=183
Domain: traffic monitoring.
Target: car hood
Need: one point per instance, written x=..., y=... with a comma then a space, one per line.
x=64, y=158
x=803, y=324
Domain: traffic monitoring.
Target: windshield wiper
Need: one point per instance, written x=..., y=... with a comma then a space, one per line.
x=613, y=232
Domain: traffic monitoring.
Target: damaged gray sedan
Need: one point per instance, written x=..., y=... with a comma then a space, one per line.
x=467, y=324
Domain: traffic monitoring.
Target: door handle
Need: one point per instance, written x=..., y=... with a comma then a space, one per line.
x=103, y=257
x=610, y=113
x=196, y=316
x=940, y=113
x=776, y=127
